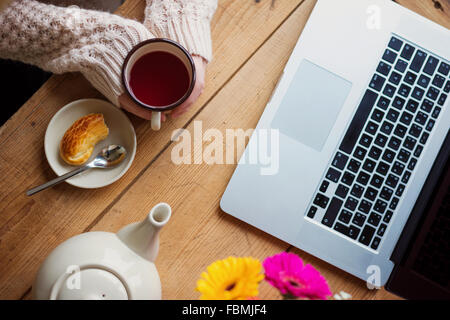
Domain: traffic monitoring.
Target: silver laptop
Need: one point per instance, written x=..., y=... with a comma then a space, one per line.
x=361, y=111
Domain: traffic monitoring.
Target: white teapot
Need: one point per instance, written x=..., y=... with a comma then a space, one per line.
x=103, y=265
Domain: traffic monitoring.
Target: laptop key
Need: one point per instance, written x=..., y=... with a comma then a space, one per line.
x=417, y=62
x=332, y=212
x=438, y=81
x=412, y=105
x=415, y=130
x=401, y=65
x=345, y=216
x=424, y=137
x=350, y=231
x=348, y=178
x=394, y=143
x=395, y=43
x=342, y=191
x=366, y=235
x=392, y=181
x=369, y=165
x=363, y=178
x=406, y=118
x=386, y=193
x=357, y=190
x=423, y=81
x=340, y=160
x=431, y=65
x=432, y=93
x=418, y=151
x=375, y=153
x=380, y=206
x=321, y=200
x=381, y=140
x=406, y=176
x=354, y=165
x=410, y=78
x=371, y=194
x=376, y=181
x=442, y=99
x=358, y=121
x=333, y=175
x=412, y=163
x=392, y=115
x=372, y=127
x=312, y=212
x=386, y=127
x=398, y=168
x=381, y=230
x=447, y=86
x=365, y=206
x=388, y=216
x=436, y=112
x=404, y=90
x=324, y=186
x=400, y=189
x=398, y=102
x=444, y=68
x=383, y=102
x=421, y=118
x=400, y=130
x=384, y=68
x=360, y=153
x=388, y=155
x=377, y=82
x=418, y=93
x=389, y=56
x=374, y=219
x=382, y=168
x=351, y=203
x=377, y=115
x=409, y=143
x=395, y=78
x=365, y=140
x=375, y=243
x=427, y=105
x=389, y=90
x=359, y=219
x=430, y=125
x=403, y=155
x=407, y=52
x=394, y=203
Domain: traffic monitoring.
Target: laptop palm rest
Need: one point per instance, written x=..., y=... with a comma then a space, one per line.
x=311, y=105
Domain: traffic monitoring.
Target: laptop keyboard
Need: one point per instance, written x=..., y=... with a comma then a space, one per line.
x=366, y=179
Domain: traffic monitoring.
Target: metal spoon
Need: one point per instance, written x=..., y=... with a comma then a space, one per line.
x=107, y=158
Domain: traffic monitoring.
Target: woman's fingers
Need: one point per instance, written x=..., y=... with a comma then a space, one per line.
x=128, y=104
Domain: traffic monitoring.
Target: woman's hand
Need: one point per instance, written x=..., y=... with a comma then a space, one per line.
x=200, y=66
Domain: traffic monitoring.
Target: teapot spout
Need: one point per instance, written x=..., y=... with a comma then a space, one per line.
x=143, y=237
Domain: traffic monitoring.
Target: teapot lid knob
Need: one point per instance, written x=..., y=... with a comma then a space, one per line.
x=90, y=283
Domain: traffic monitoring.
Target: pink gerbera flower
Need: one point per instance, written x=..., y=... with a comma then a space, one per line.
x=286, y=272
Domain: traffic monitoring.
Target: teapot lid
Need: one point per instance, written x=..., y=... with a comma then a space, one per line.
x=90, y=283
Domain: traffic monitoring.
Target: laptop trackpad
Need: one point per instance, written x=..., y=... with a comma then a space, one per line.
x=311, y=105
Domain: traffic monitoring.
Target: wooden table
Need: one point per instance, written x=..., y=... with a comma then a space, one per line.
x=252, y=42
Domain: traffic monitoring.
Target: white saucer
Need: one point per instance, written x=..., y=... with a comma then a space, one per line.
x=121, y=132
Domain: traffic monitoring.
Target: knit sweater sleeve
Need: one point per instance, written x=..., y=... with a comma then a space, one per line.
x=60, y=40
x=185, y=21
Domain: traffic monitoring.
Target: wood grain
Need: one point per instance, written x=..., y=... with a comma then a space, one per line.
x=252, y=42
x=31, y=227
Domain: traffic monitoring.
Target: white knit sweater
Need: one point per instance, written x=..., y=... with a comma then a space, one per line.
x=70, y=39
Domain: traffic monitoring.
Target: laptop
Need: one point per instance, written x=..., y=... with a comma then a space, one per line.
x=361, y=112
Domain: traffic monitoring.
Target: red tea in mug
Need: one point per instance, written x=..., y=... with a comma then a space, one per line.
x=159, y=79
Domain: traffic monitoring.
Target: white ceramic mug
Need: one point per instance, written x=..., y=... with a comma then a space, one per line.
x=153, y=45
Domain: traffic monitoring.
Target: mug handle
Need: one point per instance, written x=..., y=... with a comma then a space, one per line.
x=156, y=120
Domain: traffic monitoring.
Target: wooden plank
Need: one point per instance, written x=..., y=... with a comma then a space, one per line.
x=435, y=10
x=31, y=227
x=199, y=232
